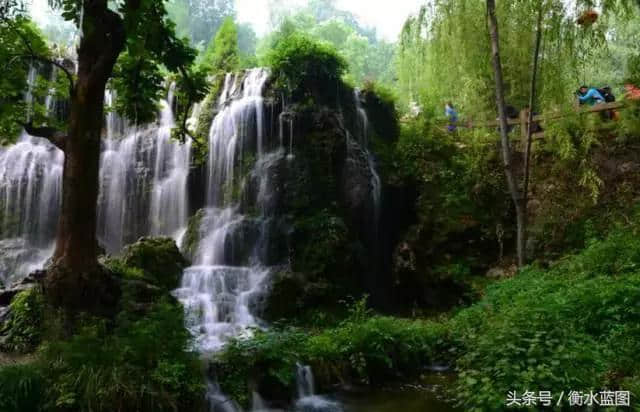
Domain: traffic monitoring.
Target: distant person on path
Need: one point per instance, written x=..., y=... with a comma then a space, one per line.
x=452, y=115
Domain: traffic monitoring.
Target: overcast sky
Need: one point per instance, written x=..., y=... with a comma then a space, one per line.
x=387, y=16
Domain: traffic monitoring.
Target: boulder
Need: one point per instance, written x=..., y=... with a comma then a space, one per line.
x=159, y=259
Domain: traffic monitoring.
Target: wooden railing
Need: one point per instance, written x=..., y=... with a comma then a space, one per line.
x=523, y=118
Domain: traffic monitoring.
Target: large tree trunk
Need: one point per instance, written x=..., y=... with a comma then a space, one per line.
x=75, y=279
x=506, y=149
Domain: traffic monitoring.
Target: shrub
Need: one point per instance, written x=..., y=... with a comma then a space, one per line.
x=573, y=326
x=22, y=388
x=23, y=329
x=306, y=68
x=363, y=348
x=141, y=364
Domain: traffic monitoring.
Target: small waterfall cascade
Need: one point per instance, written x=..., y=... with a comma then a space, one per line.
x=229, y=271
x=30, y=196
x=308, y=401
x=363, y=139
x=169, y=208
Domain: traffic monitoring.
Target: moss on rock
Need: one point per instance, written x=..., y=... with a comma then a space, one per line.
x=159, y=259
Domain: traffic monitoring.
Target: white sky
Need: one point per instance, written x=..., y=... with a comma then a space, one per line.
x=387, y=16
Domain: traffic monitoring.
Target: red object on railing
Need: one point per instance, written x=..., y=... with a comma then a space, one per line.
x=632, y=92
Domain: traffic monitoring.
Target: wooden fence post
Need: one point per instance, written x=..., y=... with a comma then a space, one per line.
x=524, y=121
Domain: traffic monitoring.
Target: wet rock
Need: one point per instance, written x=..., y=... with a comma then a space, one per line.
x=7, y=295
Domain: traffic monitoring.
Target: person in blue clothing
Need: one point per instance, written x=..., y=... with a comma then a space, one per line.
x=452, y=115
x=590, y=96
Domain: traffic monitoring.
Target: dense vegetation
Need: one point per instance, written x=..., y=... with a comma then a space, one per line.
x=525, y=332
x=139, y=360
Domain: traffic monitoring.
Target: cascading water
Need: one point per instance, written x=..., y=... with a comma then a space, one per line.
x=143, y=179
x=30, y=190
x=169, y=209
x=308, y=401
x=216, y=291
x=30, y=193
x=363, y=138
x=143, y=189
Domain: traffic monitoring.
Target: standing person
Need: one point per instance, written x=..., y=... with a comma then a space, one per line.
x=452, y=115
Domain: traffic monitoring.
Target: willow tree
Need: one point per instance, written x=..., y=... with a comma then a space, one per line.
x=135, y=40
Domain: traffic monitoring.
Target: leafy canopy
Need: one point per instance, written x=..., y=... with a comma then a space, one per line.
x=222, y=55
x=301, y=63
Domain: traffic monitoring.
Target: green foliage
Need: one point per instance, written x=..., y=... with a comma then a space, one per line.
x=23, y=330
x=139, y=364
x=138, y=81
x=330, y=240
x=22, y=387
x=13, y=79
x=573, y=325
x=222, y=55
x=141, y=360
x=158, y=258
x=526, y=333
x=444, y=53
x=362, y=347
x=304, y=67
x=368, y=57
x=200, y=20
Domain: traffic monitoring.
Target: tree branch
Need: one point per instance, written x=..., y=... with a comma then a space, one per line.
x=53, y=135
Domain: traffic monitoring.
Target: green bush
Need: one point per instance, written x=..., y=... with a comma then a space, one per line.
x=362, y=348
x=572, y=326
x=137, y=364
x=22, y=388
x=23, y=330
x=142, y=360
x=306, y=68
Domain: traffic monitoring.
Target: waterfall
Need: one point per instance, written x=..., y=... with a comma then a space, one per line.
x=50, y=100
x=218, y=289
x=304, y=381
x=30, y=193
x=308, y=401
x=229, y=270
x=28, y=95
x=363, y=139
x=143, y=190
x=169, y=209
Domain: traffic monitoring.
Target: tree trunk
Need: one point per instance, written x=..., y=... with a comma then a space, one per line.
x=506, y=150
x=75, y=279
x=532, y=99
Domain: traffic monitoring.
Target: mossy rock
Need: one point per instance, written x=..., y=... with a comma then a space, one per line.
x=191, y=238
x=159, y=259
